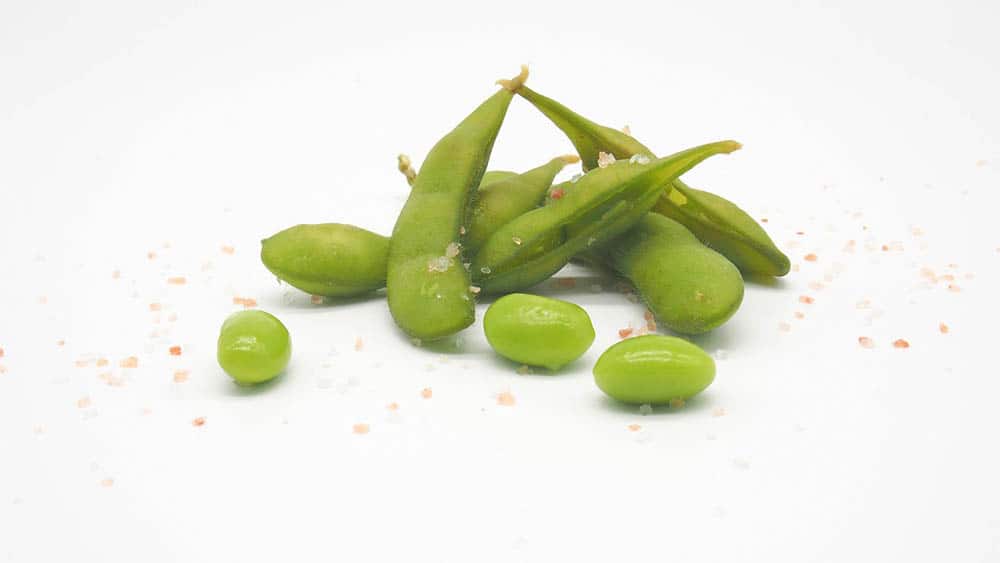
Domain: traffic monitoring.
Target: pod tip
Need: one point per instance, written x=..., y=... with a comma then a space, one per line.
x=514, y=84
x=732, y=146
x=405, y=165
x=569, y=158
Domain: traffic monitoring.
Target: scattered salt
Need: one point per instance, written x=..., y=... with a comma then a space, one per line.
x=645, y=409
x=505, y=399
x=640, y=159
x=439, y=264
x=605, y=159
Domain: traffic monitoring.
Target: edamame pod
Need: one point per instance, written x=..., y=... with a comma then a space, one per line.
x=716, y=221
x=491, y=176
x=329, y=259
x=508, y=197
x=603, y=203
x=719, y=223
x=338, y=260
x=428, y=289
x=654, y=370
x=688, y=286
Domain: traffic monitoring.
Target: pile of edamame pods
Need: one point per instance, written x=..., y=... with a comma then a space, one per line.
x=466, y=231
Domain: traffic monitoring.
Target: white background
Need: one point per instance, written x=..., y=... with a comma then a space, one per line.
x=180, y=127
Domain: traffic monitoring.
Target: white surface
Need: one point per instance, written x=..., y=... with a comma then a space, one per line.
x=124, y=127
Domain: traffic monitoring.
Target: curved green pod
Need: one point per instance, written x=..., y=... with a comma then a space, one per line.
x=503, y=199
x=603, y=204
x=688, y=286
x=589, y=138
x=329, y=259
x=722, y=225
x=654, y=370
x=716, y=221
x=428, y=289
x=491, y=176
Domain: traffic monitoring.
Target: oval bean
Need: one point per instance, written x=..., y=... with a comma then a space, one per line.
x=538, y=331
x=253, y=347
x=654, y=370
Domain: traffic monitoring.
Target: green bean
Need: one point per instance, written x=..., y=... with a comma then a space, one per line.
x=538, y=331
x=604, y=203
x=713, y=219
x=687, y=285
x=253, y=347
x=330, y=259
x=428, y=289
x=654, y=370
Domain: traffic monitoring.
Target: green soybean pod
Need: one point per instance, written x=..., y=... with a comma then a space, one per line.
x=589, y=138
x=405, y=165
x=428, y=289
x=714, y=220
x=506, y=198
x=538, y=331
x=253, y=347
x=603, y=204
x=653, y=370
x=688, y=286
x=725, y=227
x=329, y=259
x=491, y=176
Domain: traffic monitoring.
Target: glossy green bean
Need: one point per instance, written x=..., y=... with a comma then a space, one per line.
x=428, y=289
x=253, y=347
x=713, y=219
x=654, y=370
x=603, y=204
x=537, y=330
x=688, y=286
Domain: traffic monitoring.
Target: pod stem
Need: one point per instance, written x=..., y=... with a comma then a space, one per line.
x=514, y=84
x=405, y=165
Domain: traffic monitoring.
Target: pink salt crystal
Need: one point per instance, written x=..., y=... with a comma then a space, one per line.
x=505, y=399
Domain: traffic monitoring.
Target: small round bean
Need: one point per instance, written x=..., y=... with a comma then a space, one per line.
x=538, y=331
x=254, y=347
x=653, y=369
